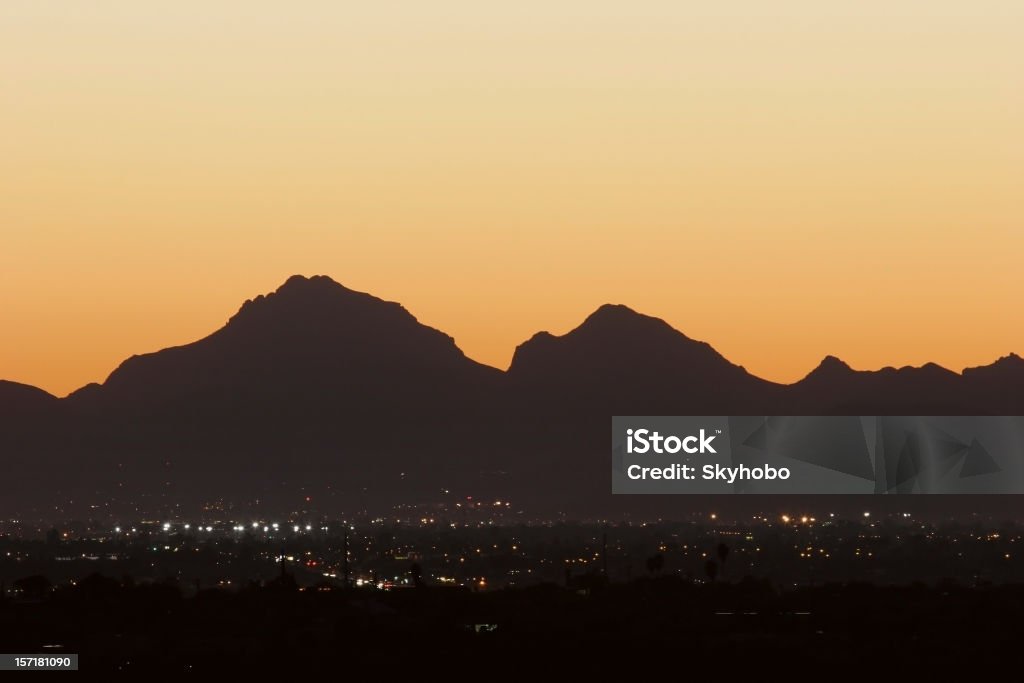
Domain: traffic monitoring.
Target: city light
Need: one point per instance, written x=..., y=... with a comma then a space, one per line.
x=808, y=542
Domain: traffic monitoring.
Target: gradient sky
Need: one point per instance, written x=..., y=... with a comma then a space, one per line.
x=781, y=179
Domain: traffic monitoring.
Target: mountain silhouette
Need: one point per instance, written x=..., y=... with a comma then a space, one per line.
x=313, y=383
x=620, y=360
x=22, y=400
x=999, y=385
x=27, y=415
x=319, y=393
x=837, y=388
x=310, y=341
x=617, y=362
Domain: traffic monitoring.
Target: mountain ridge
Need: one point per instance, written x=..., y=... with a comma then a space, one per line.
x=602, y=317
x=318, y=388
x=612, y=349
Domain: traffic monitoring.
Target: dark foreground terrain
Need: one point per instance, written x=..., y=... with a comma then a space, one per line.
x=659, y=623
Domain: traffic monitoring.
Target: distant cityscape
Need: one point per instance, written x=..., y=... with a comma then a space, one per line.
x=491, y=545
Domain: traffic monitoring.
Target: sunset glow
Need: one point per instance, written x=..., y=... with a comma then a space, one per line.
x=783, y=180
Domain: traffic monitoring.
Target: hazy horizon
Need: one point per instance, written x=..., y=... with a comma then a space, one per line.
x=783, y=181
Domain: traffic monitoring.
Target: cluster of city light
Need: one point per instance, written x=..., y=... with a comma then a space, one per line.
x=805, y=519
x=168, y=527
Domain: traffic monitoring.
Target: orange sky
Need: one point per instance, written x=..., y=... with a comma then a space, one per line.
x=783, y=180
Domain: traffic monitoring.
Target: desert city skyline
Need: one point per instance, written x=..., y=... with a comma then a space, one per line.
x=511, y=338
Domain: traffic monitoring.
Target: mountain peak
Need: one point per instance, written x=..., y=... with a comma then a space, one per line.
x=833, y=363
x=936, y=369
x=616, y=339
x=315, y=287
x=1010, y=363
x=1012, y=360
x=829, y=367
x=610, y=327
x=297, y=283
x=616, y=319
x=613, y=311
x=309, y=335
x=309, y=297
